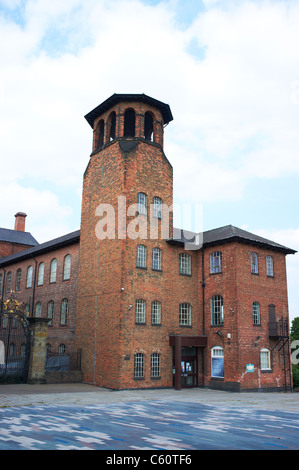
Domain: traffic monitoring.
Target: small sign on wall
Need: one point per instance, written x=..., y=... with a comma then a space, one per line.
x=249, y=367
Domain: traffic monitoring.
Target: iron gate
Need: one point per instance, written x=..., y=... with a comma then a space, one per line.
x=14, y=342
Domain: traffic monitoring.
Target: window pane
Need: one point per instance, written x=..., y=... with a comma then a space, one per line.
x=53, y=270
x=29, y=276
x=139, y=365
x=155, y=365
x=140, y=311
x=40, y=277
x=217, y=362
x=8, y=282
x=142, y=203
x=67, y=267
x=185, y=263
x=269, y=262
x=265, y=359
x=185, y=314
x=18, y=280
x=157, y=207
x=256, y=313
x=216, y=262
x=50, y=312
x=156, y=313
x=38, y=310
x=156, y=258
x=217, y=310
x=64, y=311
x=254, y=263
x=141, y=256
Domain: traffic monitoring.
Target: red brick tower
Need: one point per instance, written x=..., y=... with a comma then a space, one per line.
x=127, y=166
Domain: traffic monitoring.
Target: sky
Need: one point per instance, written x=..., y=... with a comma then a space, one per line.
x=229, y=69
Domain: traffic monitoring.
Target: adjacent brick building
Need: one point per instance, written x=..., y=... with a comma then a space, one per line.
x=146, y=308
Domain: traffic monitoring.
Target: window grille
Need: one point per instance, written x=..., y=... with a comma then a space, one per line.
x=217, y=310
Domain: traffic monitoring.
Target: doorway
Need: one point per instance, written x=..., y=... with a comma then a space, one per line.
x=189, y=372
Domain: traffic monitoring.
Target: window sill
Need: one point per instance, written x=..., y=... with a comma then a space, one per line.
x=186, y=274
x=214, y=274
x=157, y=270
x=138, y=378
x=140, y=323
x=156, y=324
x=266, y=371
x=219, y=379
x=254, y=274
x=185, y=326
x=156, y=378
x=141, y=267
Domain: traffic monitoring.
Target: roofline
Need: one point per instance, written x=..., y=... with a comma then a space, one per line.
x=116, y=98
x=46, y=247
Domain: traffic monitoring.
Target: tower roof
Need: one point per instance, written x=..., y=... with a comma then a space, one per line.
x=116, y=98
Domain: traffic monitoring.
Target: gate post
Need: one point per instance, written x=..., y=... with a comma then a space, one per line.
x=37, y=359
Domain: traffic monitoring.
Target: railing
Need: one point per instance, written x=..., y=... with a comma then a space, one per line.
x=69, y=362
x=278, y=329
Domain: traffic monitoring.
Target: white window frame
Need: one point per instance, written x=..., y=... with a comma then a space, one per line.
x=142, y=204
x=157, y=207
x=155, y=365
x=67, y=267
x=185, y=314
x=217, y=310
x=256, y=314
x=269, y=265
x=40, y=275
x=265, y=359
x=254, y=263
x=29, y=277
x=53, y=270
x=139, y=366
x=141, y=256
x=216, y=262
x=140, y=311
x=156, y=312
x=185, y=264
x=216, y=353
x=156, y=259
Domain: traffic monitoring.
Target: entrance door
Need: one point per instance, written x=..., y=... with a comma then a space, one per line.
x=189, y=372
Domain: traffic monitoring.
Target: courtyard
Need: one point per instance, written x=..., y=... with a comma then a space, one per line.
x=84, y=417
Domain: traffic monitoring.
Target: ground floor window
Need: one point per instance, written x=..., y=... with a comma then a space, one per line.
x=217, y=362
x=155, y=365
x=139, y=366
x=265, y=359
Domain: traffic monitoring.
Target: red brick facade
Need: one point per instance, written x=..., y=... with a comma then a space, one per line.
x=172, y=318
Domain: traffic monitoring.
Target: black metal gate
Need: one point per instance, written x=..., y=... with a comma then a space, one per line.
x=14, y=343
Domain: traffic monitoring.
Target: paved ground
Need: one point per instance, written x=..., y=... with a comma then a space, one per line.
x=81, y=416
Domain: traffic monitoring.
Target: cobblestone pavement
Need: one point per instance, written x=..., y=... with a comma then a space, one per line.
x=80, y=416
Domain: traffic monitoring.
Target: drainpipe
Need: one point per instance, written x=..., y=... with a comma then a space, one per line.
x=203, y=285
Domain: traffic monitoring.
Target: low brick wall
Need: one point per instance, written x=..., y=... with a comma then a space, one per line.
x=71, y=376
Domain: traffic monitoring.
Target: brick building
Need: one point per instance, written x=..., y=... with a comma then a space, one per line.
x=146, y=307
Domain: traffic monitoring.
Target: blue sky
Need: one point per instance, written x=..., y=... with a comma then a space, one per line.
x=228, y=69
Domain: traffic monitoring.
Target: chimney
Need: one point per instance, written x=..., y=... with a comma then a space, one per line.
x=20, y=221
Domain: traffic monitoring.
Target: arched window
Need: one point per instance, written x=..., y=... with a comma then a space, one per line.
x=256, y=313
x=141, y=256
x=100, y=135
x=29, y=276
x=185, y=315
x=112, y=126
x=8, y=282
x=265, y=359
x=157, y=207
x=64, y=312
x=140, y=311
x=129, y=125
x=155, y=365
x=40, y=276
x=50, y=312
x=156, y=312
x=38, y=310
x=217, y=310
x=67, y=267
x=185, y=264
x=18, y=279
x=53, y=270
x=217, y=362
x=216, y=262
x=142, y=203
x=139, y=366
x=148, y=126
x=157, y=255
x=2, y=353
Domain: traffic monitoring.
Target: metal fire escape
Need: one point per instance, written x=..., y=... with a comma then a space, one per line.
x=279, y=331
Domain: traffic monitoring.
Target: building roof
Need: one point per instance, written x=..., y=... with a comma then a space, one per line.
x=116, y=98
x=15, y=236
x=227, y=234
x=46, y=247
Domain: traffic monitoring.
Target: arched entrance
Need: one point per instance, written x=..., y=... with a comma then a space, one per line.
x=14, y=342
